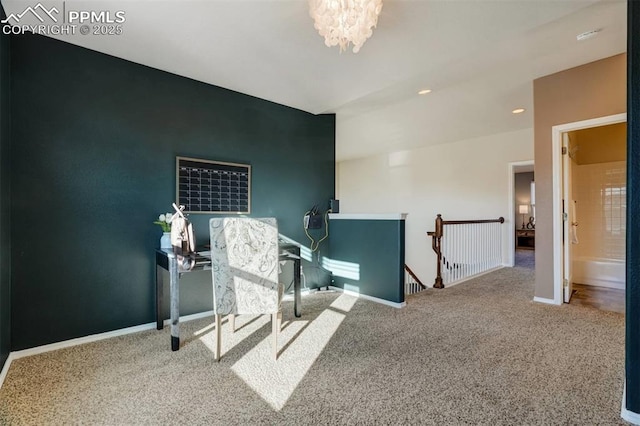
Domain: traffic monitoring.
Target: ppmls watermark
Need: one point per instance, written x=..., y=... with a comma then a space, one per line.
x=64, y=21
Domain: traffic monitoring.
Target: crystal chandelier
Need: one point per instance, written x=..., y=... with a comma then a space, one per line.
x=344, y=22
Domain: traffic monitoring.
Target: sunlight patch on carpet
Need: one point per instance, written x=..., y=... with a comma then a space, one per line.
x=204, y=329
x=246, y=325
x=299, y=346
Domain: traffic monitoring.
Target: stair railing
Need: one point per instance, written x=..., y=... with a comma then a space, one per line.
x=474, y=248
x=412, y=283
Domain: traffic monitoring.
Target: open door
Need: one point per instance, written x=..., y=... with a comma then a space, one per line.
x=563, y=208
x=568, y=219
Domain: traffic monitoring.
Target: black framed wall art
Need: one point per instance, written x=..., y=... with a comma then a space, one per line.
x=205, y=186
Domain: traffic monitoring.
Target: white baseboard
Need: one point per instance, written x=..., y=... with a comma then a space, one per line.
x=89, y=339
x=106, y=335
x=545, y=300
x=630, y=416
x=144, y=327
x=371, y=298
x=5, y=369
x=473, y=276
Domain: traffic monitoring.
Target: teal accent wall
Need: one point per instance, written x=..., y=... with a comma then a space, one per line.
x=373, y=248
x=632, y=346
x=94, y=141
x=5, y=199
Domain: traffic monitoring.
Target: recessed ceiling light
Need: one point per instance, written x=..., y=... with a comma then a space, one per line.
x=518, y=110
x=424, y=91
x=588, y=34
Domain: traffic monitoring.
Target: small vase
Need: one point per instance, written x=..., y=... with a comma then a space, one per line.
x=165, y=240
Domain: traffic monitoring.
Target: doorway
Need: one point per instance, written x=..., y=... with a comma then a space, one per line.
x=521, y=196
x=589, y=208
x=524, y=208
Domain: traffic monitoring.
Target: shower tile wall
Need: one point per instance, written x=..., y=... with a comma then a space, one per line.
x=600, y=194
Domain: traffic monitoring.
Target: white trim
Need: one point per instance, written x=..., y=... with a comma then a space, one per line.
x=371, y=298
x=144, y=327
x=488, y=271
x=556, y=168
x=81, y=340
x=368, y=216
x=630, y=416
x=545, y=300
x=5, y=369
x=509, y=259
x=102, y=336
x=91, y=338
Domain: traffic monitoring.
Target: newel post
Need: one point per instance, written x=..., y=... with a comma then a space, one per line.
x=436, y=244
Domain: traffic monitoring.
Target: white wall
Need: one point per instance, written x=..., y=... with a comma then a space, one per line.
x=462, y=180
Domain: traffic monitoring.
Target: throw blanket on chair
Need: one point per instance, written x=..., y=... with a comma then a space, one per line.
x=183, y=241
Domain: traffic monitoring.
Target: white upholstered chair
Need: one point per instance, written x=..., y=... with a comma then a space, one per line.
x=244, y=266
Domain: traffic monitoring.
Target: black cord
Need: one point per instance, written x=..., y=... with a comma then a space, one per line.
x=289, y=286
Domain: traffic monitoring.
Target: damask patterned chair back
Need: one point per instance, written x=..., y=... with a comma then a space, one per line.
x=244, y=267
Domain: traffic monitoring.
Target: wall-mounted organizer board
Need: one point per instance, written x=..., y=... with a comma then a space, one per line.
x=205, y=186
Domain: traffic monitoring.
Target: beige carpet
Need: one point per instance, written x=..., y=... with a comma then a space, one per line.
x=478, y=353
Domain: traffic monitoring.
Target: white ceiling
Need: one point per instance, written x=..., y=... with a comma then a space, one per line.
x=478, y=56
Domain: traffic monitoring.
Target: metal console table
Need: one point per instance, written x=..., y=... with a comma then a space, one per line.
x=167, y=260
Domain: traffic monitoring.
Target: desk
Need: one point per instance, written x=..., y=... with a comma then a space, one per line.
x=167, y=260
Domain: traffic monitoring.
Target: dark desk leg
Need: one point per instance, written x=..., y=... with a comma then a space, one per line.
x=175, y=303
x=296, y=288
x=159, y=297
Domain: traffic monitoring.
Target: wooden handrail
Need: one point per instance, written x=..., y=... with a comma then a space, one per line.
x=414, y=276
x=436, y=243
x=463, y=222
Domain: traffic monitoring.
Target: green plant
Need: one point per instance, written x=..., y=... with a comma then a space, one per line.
x=164, y=220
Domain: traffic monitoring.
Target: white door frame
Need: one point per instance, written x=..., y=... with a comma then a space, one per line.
x=511, y=239
x=556, y=167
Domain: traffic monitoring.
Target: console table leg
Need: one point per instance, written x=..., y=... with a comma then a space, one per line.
x=175, y=303
x=159, y=298
x=296, y=288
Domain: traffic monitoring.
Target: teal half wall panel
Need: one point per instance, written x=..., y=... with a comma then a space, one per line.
x=94, y=146
x=367, y=254
x=5, y=200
